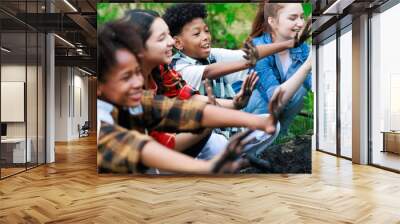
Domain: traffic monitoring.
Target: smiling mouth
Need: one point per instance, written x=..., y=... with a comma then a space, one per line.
x=136, y=95
x=206, y=46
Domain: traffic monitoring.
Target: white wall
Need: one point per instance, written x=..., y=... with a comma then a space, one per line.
x=71, y=94
x=33, y=127
x=12, y=73
x=61, y=103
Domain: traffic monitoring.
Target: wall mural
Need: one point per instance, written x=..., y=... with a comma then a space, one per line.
x=204, y=88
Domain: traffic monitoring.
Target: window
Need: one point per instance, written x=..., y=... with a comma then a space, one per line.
x=346, y=93
x=385, y=88
x=327, y=96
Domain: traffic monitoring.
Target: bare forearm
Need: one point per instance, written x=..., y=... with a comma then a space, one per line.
x=184, y=141
x=219, y=69
x=269, y=49
x=216, y=70
x=220, y=117
x=222, y=102
x=158, y=156
x=291, y=86
x=226, y=103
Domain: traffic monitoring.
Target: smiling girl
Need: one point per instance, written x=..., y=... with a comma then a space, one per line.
x=274, y=23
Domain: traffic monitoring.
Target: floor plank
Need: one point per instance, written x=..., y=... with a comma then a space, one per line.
x=70, y=191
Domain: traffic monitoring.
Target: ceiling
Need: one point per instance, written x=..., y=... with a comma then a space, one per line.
x=332, y=15
x=22, y=20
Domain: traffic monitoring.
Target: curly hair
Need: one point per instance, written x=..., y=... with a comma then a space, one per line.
x=177, y=16
x=111, y=37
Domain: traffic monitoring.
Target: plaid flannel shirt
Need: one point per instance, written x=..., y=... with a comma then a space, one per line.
x=119, y=148
x=171, y=84
x=168, y=82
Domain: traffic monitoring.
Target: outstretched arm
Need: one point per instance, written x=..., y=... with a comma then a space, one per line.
x=218, y=69
x=286, y=90
x=215, y=117
x=254, y=53
x=228, y=161
x=239, y=101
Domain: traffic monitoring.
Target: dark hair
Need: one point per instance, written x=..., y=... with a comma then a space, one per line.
x=112, y=37
x=177, y=16
x=143, y=19
x=260, y=23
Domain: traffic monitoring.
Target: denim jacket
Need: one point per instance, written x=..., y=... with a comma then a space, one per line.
x=270, y=70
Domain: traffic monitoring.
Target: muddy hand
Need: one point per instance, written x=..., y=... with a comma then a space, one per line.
x=276, y=104
x=230, y=161
x=251, y=53
x=242, y=98
x=303, y=35
x=210, y=95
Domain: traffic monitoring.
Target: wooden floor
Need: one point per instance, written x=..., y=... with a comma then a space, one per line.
x=10, y=171
x=70, y=191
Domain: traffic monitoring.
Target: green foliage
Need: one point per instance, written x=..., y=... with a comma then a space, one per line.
x=229, y=23
x=106, y=12
x=307, y=7
x=303, y=124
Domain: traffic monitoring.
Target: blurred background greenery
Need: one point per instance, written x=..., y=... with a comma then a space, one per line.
x=230, y=24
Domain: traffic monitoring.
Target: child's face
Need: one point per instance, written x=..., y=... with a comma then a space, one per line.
x=289, y=21
x=124, y=82
x=194, y=39
x=159, y=45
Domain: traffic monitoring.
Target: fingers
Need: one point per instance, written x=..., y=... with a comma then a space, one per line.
x=210, y=95
x=276, y=104
x=235, y=145
x=308, y=26
x=251, y=53
x=246, y=82
x=247, y=53
x=249, y=83
x=304, y=34
x=231, y=161
x=236, y=166
x=254, y=82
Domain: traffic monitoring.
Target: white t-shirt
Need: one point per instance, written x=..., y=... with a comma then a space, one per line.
x=192, y=72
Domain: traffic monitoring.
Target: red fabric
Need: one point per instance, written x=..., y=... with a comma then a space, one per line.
x=171, y=84
x=168, y=82
x=164, y=138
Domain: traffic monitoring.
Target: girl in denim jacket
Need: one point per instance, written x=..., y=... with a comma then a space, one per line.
x=277, y=22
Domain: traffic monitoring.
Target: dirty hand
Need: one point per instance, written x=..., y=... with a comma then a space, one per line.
x=210, y=95
x=303, y=35
x=230, y=160
x=242, y=98
x=276, y=104
x=252, y=54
